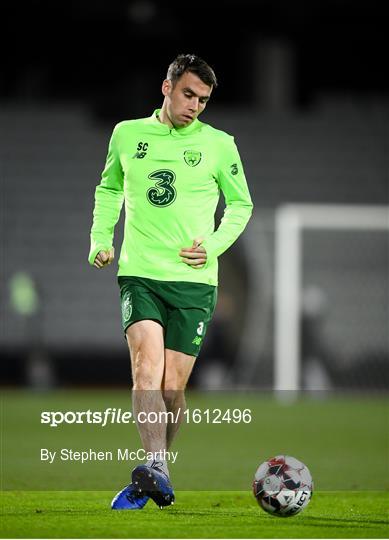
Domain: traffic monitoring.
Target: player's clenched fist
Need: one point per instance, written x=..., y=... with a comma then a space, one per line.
x=195, y=256
x=103, y=258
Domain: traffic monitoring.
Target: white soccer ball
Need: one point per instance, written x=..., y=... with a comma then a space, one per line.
x=283, y=486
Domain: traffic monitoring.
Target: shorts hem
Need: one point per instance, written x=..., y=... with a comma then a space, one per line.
x=182, y=350
x=125, y=328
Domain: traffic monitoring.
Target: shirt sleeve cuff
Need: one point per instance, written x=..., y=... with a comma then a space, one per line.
x=94, y=251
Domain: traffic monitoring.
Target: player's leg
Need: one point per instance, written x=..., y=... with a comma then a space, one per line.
x=153, y=478
x=178, y=367
x=185, y=330
x=145, y=342
x=140, y=312
x=146, y=345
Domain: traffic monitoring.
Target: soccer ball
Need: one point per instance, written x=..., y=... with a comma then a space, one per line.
x=283, y=486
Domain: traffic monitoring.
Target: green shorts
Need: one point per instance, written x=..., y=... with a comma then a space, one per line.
x=184, y=309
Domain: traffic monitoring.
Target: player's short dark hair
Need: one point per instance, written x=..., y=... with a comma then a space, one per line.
x=193, y=64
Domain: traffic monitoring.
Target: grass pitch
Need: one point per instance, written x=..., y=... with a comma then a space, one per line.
x=195, y=515
x=344, y=442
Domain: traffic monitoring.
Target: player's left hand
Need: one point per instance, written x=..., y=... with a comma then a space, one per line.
x=195, y=256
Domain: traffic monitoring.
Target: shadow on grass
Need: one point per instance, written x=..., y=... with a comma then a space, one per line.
x=342, y=522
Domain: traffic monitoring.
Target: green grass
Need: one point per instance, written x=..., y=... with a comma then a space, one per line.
x=195, y=515
x=344, y=442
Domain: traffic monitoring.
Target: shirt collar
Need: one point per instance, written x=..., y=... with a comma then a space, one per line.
x=185, y=130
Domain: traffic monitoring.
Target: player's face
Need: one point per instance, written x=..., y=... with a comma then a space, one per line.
x=187, y=99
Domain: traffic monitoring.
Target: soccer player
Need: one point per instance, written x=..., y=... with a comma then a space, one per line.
x=168, y=169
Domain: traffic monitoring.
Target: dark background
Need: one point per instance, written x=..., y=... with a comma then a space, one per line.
x=113, y=55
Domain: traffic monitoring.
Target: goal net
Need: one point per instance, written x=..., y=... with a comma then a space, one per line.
x=331, y=297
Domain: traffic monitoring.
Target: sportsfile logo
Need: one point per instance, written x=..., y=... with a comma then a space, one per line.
x=118, y=416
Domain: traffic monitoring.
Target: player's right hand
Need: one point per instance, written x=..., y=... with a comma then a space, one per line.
x=104, y=258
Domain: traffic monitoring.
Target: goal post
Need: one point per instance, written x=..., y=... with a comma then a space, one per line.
x=291, y=221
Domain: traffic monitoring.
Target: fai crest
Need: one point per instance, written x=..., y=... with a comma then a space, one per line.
x=127, y=308
x=192, y=158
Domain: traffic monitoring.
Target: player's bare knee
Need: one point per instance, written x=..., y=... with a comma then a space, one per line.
x=146, y=372
x=173, y=384
x=172, y=397
x=143, y=380
x=175, y=379
x=144, y=384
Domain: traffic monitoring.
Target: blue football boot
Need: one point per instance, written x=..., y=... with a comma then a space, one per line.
x=129, y=498
x=152, y=481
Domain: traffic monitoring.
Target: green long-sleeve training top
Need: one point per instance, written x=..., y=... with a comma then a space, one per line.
x=170, y=180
